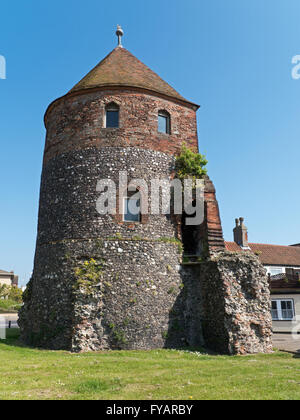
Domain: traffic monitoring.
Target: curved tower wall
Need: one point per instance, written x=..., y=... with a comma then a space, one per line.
x=99, y=283
x=77, y=121
x=140, y=300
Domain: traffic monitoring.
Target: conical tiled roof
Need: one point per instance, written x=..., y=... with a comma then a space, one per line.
x=121, y=68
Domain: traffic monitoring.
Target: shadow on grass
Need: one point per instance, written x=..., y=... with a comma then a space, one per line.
x=13, y=339
x=296, y=356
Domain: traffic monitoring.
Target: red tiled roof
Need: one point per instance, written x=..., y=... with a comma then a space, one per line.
x=233, y=247
x=271, y=254
x=121, y=68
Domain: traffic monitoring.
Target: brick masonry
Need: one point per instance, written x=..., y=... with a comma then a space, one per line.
x=77, y=122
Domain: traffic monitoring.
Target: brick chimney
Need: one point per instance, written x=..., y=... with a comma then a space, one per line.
x=240, y=233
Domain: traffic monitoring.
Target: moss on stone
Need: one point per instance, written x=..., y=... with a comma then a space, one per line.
x=88, y=276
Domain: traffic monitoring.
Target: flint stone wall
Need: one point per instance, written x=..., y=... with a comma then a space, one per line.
x=141, y=301
x=68, y=194
x=236, y=317
x=144, y=298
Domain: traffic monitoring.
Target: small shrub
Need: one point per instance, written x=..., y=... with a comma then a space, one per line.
x=190, y=164
x=172, y=291
x=118, y=335
x=11, y=298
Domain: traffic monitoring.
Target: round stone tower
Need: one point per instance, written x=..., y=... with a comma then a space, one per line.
x=115, y=280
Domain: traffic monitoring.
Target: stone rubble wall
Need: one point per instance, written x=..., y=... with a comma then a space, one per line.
x=68, y=193
x=236, y=317
x=144, y=299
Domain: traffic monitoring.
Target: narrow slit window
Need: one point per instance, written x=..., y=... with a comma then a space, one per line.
x=112, y=116
x=164, y=122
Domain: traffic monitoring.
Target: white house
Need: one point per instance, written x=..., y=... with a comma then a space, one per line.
x=283, y=266
x=8, y=278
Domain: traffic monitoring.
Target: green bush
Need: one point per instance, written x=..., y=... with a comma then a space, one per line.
x=15, y=294
x=10, y=298
x=12, y=293
x=8, y=305
x=190, y=164
x=4, y=291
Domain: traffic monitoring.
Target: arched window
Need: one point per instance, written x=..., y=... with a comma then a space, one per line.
x=132, y=206
x=112, y=115
x=164, y=122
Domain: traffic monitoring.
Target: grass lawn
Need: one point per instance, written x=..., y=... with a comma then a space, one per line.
x=27, y=373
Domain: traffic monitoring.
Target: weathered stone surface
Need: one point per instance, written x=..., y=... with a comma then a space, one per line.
x=77, y=122
x=68, y=193
x=99, y=283
x=144, y=298
x=236, y=304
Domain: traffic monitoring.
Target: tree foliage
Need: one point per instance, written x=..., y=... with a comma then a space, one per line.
x=12, y=293
x=190, y=164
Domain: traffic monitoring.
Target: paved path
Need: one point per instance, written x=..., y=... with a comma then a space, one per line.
x=5, y=318
x=287, y=342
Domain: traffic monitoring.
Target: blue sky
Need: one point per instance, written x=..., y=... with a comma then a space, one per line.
x=233, y=57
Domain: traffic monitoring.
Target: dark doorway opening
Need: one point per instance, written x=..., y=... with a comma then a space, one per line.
x=191, y=237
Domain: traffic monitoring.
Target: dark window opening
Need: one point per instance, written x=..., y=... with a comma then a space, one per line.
x=191, y=237
x=112, y=116
x=164, y=122
x=132, y=207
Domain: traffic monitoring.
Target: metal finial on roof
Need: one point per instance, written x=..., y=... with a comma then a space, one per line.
x=119, y=34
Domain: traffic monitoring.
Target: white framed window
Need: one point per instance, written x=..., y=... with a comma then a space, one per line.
x=132, y=208
x=282, y=309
